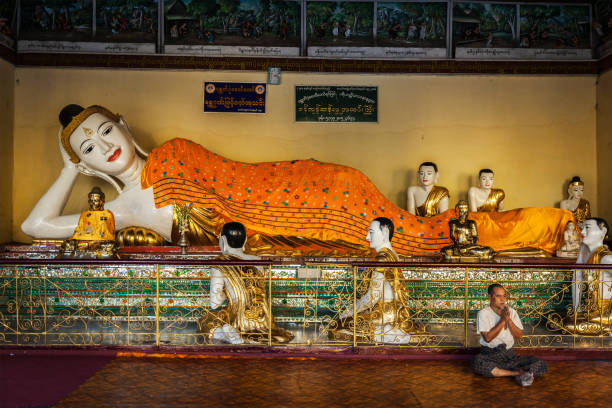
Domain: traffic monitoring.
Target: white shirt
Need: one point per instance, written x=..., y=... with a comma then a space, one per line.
x=487, y=319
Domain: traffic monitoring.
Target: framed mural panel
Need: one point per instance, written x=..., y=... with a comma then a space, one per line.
x=343, y=29
x=485, y=30
x=233, y=27
x=412, y=29
x=55, y=25
x=555, y=31
x=602, y=27
x=127, y=24
x=104, y=26
x=8, y=22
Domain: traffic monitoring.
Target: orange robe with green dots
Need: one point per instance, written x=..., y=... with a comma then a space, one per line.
x=309, y=204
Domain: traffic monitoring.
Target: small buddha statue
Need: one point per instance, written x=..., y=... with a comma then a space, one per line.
x=592, y=288
x=464, y=235
x=426, y=199
x=575, y=203
x=94, y=236
x=571, y=242
x=485, y=198
x=239, y=307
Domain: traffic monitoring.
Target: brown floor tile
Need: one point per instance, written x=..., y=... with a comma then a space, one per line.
x=309, y=382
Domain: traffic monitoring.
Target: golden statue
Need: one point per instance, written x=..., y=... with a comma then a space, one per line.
x=464, y=235
x=239, y=309
x=485, y=198
x=592, y=288
x=426, y=199
x=94, y=236
x=382, y=309
x=575, y=203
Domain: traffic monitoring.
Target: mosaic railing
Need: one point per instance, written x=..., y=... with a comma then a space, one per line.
x=130, y=302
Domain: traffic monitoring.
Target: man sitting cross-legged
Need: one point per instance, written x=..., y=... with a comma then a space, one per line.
x=498, y=325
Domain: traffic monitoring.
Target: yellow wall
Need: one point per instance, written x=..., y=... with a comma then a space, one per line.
x=604, y=145
x=535, y=132
x=7, y=105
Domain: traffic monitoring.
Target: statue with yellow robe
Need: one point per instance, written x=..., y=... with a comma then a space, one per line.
x=592, y=288
x=239, y=308
x=94, y=236
x=426, y=199
x=575, y=203
x=290, y=208
x=382, y=313
x=485, y=198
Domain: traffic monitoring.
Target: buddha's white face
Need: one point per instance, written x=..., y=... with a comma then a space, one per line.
x=103, y=145
x=486, y=180
x=592, y=235
x=576, y=192
x=427, y=176
x=376, y=236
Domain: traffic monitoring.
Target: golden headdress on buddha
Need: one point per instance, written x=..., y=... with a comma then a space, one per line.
x=575, y=181
x=72, y=116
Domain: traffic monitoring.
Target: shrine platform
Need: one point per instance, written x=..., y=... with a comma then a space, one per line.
x=154, y=297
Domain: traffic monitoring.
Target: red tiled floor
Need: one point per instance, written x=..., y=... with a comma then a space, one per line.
x=319, y=382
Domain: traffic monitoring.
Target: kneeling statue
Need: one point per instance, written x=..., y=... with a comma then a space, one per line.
x=382, y=312
x=94, y=236
x=464, y=235
x=245, y=318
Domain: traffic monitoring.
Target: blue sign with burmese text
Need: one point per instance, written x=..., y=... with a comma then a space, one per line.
x=237, y=97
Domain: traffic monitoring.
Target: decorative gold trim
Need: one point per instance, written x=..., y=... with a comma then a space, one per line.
x=76, y=121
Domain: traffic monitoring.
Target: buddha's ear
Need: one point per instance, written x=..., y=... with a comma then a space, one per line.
x=139, y=149
x=223, y=246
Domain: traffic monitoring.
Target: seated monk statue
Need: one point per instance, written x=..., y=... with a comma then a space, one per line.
x=295, y=208
x=464, y=234
x=94, y=236
x=575, y=203
x=246, y=315
x=426, y=199
x=382, y=310
x=484, y=197
x=592, y=288
x=571, y=242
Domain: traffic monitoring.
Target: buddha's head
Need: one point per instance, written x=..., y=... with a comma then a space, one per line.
x=427, y=174
x=233, y=235
x=96, y=199
x=594, y=231
x=97, y=139
x=461, y=209
x=485, y=178
x=575, y=189
x=380, y=232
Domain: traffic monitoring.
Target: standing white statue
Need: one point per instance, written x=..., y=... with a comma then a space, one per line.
x=426, y=199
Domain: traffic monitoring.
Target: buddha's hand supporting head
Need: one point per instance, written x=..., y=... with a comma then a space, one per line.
x=427, y=174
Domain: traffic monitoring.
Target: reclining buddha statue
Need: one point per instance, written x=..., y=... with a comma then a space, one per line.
x=299, y=207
